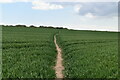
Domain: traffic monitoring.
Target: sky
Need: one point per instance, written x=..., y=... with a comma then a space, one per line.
x=79, y=15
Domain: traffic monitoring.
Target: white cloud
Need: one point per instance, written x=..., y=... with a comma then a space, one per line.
x=37, y=4
x=40, y=5
x=101, y=9
x=10, y=1
x=23, y=0
x=81, y=0
x=6, y=1
x=77, y=8
x=90, y=15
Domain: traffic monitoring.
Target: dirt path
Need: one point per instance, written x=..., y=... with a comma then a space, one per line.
x=59, y=67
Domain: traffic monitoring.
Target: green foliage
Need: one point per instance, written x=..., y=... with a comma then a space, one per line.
x=89, y=54
x=0, y=52
x=31, y=53
x=28, y=52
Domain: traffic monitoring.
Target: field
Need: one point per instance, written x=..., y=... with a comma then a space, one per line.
x=28, y=52
x=31, y=53
x=89, y=54
x=0, y=52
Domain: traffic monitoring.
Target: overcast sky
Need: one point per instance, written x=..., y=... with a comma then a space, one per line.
x=92, y=15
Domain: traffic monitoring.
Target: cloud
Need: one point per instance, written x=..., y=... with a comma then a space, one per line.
x=37, y=4
x=75, y=0
x=11, y=1
x=90, y=15
x=81, y=0
x=40, y=5
x=6, y=1
x=97, y=9
x=77, y=8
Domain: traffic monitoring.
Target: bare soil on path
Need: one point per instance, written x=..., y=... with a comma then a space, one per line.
x=59, y=67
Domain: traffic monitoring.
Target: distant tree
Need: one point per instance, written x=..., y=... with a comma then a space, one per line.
x=32, y=26
x=65, y=28
x=2, y=26
x=50, y=27
x=41, y=26
x=59, y=28
x=20, y=25
x=7, y=25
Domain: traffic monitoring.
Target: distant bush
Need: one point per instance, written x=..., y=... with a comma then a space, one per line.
x=7, y=26
x=33, y=26
x=20, y=25
x=41, y=26
x=59, y=28
x=1, y=25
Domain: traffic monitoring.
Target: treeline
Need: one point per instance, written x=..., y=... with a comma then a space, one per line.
x=32, y=26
